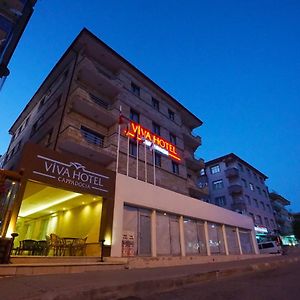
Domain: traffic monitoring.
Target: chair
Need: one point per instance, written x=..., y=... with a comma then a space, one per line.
x=79, y=246
x=41, y=248
x=55, y=243
x=27, y=245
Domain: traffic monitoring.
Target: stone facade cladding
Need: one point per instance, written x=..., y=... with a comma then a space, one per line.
x=76, y=110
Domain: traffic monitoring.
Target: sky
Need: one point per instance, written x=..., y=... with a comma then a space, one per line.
x=235, y=64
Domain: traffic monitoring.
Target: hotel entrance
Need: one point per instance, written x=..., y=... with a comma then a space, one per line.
x=53, y=221
x=64, y=206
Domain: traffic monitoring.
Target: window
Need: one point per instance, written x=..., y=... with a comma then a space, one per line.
x=267, y=222
x=261, y=179
x=134, y=116
x=269, y=207
x=256, y=202
x=259, y=219
x=92, y=137
x=135, y=89
x=156, y=128
x=265, y=194
x=220, y=201
x=155, y=104
x=241, y=167
x=262, y=205
x=251, y=186
x=173, y=138
x=244, y=182
x=215, y=169
x=258, y=189
x=133, y=149
x=157, y=160
x=248, y=199
x=255, y=176
x=175, y=167
x=272, y=223
x=249, y=172
x=218, y=184
x=171, y=114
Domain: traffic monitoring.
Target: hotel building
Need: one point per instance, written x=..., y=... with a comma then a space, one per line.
x=236, y=185
x=105, y=153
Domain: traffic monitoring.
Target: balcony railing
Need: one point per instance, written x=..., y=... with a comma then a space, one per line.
x=91, y=137
x=232, y=172
x=235, y=189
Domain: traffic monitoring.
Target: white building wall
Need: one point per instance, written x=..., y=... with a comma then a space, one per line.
x=141, y=194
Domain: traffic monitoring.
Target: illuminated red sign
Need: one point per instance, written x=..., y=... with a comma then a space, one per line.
x=135, y=130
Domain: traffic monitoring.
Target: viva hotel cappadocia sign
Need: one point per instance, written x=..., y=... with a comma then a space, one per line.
x=66, y=171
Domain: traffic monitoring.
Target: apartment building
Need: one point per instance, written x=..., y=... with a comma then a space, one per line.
x=282, y=215
x=14, y=16
x=100, y=142
x=236, y=185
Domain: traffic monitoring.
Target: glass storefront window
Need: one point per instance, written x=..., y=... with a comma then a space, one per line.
x=246, y=241
x=216, y=241
x=194, y=237
x=232, y=240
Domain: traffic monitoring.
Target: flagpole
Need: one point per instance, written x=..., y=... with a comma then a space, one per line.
x=127, y=162
x=146, y=179
x=154, y=175
x=137, y=157
x=118, y=143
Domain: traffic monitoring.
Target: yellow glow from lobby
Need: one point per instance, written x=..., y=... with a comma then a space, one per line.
x=48, y=205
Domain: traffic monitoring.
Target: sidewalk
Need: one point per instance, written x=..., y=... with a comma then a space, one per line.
x=115, y=284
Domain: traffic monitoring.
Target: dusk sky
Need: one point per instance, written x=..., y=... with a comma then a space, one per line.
x=234, y=64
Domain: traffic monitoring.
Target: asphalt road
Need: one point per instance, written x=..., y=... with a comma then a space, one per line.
x=281, y=283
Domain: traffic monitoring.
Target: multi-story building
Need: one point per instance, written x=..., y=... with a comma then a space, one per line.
x=282, y=215
x=236, y=185
x=14, y=16
x=112, y=151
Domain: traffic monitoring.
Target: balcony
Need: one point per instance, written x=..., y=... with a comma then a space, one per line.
x=196, y=191
x=239, y=205
x=192, y=162
x=235, y=189
x=190, y=140
x=96, y=76
x=93, y=107
x=88, y=145
x=232, y=173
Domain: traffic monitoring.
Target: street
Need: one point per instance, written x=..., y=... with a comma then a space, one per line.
x=281, y=283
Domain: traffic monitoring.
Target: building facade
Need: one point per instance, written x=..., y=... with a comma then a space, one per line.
x=281, y=213
x=97, y=116
x=236, y=185
x=14, y=16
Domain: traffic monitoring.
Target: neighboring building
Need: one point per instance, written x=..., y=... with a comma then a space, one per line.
x=69, y=167
x=236, y=185
x=14, y=16
x=282, y=215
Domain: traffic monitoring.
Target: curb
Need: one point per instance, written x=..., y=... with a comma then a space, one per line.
x=148, y=287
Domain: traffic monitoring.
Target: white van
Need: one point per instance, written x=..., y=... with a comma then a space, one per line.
x=271, y=247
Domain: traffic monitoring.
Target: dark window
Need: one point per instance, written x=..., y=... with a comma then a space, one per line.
x=256, y=202
x=157, y=159
x=175, y=167
x=262, y=205
x=241, y=167
x=171, y=114
x=156, y=128
x=92, y=137
x=133, y=149
x=244, y=182
x=135, y=89
x=259, y=190
x=173, y=138
x=155, y=104
x=248, y=199
x=218, y=184
x=134, y=116
x=220, y=201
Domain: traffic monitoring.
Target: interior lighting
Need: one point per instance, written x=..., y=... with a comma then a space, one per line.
x=48, y=205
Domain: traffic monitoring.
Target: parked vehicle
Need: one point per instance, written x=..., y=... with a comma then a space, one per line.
x=271, y=247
